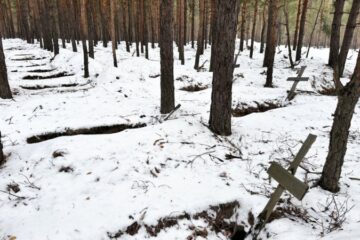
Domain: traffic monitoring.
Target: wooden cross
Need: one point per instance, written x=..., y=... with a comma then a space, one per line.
x=286, y=181
x=296, y=80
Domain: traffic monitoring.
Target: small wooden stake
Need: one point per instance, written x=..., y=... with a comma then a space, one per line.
x=171, y=113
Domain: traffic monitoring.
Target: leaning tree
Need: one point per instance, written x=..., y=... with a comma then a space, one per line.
x=348, y=97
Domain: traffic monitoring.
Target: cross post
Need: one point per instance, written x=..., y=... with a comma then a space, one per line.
x=296, y=80
x=297, y=188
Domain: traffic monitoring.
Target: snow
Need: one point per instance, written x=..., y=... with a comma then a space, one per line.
x=168, y=167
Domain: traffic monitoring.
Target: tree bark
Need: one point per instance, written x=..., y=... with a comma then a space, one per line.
x=166, y=57
x=5, y=91
x=301, y=30
x=335, y=33
x=348, y=97
x=224, y=45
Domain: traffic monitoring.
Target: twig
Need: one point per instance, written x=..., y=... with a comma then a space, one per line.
x=31, y=184
x=354, y=178
x=18, y=197
x=197, y=156
x=202, y=65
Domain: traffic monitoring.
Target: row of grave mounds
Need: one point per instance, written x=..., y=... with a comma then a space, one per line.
x=41, y=71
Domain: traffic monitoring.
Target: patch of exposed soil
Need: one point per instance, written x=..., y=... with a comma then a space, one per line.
x=194, y=87
x=28, y=58
x=84, y=131
x=40, y=87
x=219, y=219
x=39, y=77
x=244, y=109
x=42, y=70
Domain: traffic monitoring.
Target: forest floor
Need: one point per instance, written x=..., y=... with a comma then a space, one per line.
x=93, y=158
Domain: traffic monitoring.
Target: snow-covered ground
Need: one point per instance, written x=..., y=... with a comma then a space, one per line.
x=117, y=185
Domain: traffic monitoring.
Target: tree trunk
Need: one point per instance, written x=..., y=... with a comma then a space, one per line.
x=253, y=29
x=130, y=31
x=224, y=44
x=91, y=28
x=271, y=41
x=206, y=23
x=5, y=91
x=166, y=57
x=152, y=25
x=113, y=30
x=46, y=31
x=335, y=33
x=54, y=28
x=313, y=30
x=243, y=25
x=301, y=30
x=2, y=158
x=84, y=36
x=192, y=23
x=213, y=32
x=348, y=97
x=200, y=40
x=297, y=25
x=73, y=23
x=349, y=33
x=286, y=14
x=181, y=31
x=137, y=26
x=263, y=31
x=145, y=29
x=185, y=22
